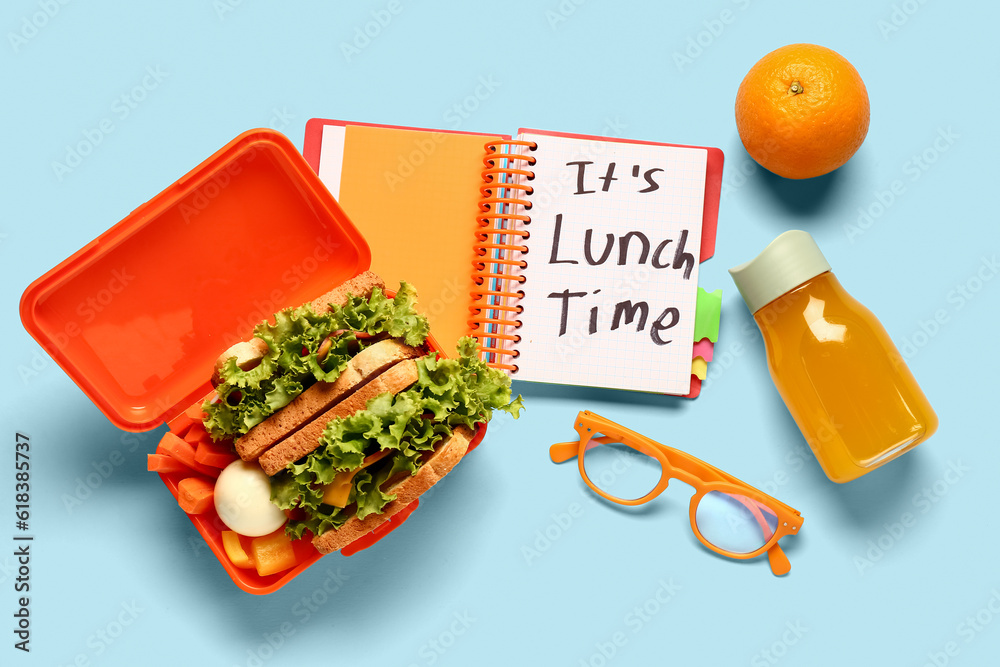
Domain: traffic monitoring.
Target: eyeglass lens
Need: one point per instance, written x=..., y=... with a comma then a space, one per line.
x=735, y=523
x=620, y=471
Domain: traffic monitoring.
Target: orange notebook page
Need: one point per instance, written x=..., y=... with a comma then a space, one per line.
x=402, y=188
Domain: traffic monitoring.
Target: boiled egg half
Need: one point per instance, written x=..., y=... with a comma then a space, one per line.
x=243, y=500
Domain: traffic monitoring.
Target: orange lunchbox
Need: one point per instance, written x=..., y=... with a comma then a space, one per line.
x=138, y=316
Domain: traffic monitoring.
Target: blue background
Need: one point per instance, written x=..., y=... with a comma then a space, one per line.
x=460, y=583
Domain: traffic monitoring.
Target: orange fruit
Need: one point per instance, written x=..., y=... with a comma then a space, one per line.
x=802, y=111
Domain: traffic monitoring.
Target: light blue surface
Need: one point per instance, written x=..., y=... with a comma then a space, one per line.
x=472, y=578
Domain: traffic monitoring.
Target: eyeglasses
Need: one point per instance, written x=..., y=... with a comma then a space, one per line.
x=728, y=516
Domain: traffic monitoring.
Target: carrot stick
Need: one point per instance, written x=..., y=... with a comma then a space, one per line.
x=165, y=464
x=196, y=495
x=181, y=424
x=214, y=455
x=184, y=452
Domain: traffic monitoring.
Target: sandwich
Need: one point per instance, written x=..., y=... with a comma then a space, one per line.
x=347, y=410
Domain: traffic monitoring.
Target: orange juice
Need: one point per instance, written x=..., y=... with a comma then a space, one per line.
x=838, y=372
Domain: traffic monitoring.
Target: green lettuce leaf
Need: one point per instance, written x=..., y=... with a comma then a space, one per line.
x=294, y=360
x=455, y=392
x=368, y=496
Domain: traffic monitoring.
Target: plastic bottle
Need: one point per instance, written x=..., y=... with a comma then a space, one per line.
x=838, y=372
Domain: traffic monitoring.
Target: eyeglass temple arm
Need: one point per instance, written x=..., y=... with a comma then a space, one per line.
x=778, y=560
x=706, y=472
x=564, y=451
x=754, y=508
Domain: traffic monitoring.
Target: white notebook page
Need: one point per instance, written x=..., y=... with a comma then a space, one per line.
x=563, y=340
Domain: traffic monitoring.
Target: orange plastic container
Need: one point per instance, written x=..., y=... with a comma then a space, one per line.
x=138, y=316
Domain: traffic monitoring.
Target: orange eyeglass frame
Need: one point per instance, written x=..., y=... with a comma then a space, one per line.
x=676, y=464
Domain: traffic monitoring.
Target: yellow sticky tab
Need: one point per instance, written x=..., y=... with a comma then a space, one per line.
x=699, y=367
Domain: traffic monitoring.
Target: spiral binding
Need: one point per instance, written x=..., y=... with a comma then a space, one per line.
x=499, y=248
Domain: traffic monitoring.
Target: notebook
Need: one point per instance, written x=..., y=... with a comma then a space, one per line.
x=572, y=259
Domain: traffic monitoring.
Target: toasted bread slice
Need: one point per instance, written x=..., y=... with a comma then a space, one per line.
x=322, y=396
x=448, y=453
x=360, y=285
x=300, y=443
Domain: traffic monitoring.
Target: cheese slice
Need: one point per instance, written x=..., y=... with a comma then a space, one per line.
x=338, y=491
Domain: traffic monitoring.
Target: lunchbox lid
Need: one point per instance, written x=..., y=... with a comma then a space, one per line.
x=138, y=316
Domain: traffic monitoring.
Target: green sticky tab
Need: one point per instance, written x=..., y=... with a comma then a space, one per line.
x=706, y=316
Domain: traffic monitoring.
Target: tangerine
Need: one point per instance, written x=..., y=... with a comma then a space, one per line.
x=802, y=111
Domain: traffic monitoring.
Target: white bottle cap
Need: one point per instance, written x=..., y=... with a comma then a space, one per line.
x=789, y=260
